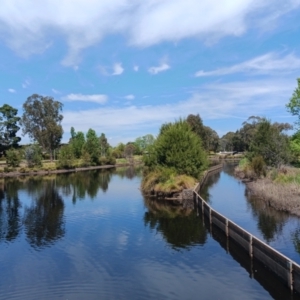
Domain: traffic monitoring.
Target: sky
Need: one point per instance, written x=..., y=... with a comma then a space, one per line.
x=126, y=67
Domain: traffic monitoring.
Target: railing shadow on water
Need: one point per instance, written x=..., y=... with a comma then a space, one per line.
x=276, y=273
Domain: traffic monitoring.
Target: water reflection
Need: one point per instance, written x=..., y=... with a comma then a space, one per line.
x=270, y=222
x=44, y=219
x=10, y=220
x=181, y=228
x=84, y=184
x=210, y=181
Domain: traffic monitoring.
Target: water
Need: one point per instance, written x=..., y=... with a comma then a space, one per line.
x=92, y=235
x=231, y=198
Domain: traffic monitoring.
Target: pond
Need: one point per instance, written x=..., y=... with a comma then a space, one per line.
x=93, y=235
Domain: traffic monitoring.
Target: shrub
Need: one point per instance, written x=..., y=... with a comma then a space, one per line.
x=33, y=156
x=108, y=160
x=179, y=148
x=13, y=158
x=258, y=165
x=65, y=158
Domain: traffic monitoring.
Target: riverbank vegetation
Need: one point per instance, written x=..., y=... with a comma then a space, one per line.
x=175, y=161
x=271, y=167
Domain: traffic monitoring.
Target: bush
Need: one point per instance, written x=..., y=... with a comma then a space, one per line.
x=179, y=148
x=258, y=165
x=109, y=160
x=33, y=156
x=13, y=158
x=65, y=158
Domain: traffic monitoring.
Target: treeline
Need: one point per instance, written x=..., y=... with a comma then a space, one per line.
x=41, y=121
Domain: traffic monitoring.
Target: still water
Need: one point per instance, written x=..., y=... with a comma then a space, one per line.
x=92, y=235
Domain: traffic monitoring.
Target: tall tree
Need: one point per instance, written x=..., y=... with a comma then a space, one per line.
x=92, y=146
x=8, y=127
x=294, y=104
x=270, y=143
x=104, y=145
x=41, y=120
x=77, y=142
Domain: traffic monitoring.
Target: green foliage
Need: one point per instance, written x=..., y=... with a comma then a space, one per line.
x=85, y=159
x=92, y=147
x=104, y=145
x=8, y=127
x=179, y=148
x=33, y=155
x=66, y=158
x=210, y=139
x=41, y=120
x=13, y=158
x=294, y=104
x=129, y=150
x=142, y=143
x=258, y=165
x=269, y=143
x=244, y=162
x=107, y=160
x=77, y=142
x=295, y=145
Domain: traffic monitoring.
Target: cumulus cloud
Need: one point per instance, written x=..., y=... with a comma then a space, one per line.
x=117, y=69
x=162, y=67
x=136, y=68
x=264, y=64
x=214, y=101
x=144, y=23
x=130, y=97
x=12, y=91
x=97, y=98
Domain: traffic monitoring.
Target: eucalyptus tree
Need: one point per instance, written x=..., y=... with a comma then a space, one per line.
x=8, y=127
x=294, y=104
x=41, y=120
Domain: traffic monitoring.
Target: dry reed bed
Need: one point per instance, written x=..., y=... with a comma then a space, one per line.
x=279, y=189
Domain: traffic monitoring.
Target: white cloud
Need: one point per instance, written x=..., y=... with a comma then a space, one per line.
x=162, y=67
x=56, y=91
x=97, y=98
x=130, y=97
x=26, y=84
x=215, y=101
x=136, y=68
x=265, y=64
x=12, y=91
x=144, y=23
x=117, y=69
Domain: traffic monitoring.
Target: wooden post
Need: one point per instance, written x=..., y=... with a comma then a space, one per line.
x=226, y=227
x=290, y=275
x=250, y=247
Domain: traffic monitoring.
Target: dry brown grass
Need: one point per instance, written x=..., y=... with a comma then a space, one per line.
x=280, y=189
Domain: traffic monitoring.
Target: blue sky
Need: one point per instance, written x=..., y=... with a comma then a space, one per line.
x=125, y=67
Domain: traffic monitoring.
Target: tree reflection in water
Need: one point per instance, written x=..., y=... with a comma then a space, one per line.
x=179, y=227
x=210, y=181
x=270, y=222
x=10, y=219
x=83, y=184
x=44, y=220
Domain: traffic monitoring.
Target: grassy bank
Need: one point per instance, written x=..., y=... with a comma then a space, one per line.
x=165, y=182
x=280, y=188
x=54, y=167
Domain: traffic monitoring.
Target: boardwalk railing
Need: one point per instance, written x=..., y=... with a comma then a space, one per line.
x=286, y=269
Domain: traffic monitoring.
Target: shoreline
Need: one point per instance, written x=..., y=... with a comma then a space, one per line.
x=61, y=171
x=283, y=197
